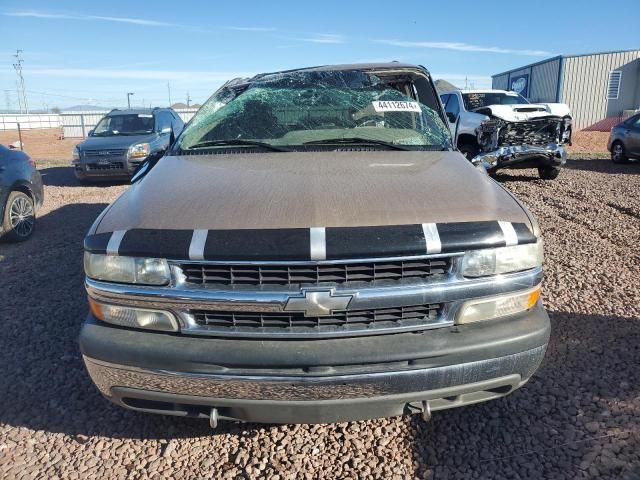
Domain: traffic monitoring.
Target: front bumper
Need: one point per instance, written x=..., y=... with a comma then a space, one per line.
x=522, y=156
x=106, y=169
x=314, y=381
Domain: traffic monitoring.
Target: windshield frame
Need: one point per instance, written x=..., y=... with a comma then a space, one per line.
x=422, y=91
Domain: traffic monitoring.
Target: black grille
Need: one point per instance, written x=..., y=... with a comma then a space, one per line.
x=534, y=132
x=339, y=322
x=105, y=166
x=313, y=274
x=106, y=153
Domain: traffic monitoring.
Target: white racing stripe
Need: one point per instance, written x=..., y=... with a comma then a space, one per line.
x=318, y=243
x=114, y=242
x=432, y=237
x=510, y=235
x=196, y=247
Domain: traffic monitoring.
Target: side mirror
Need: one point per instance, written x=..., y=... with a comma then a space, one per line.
x=451, y=117
x=166, y=130
x=90, y=133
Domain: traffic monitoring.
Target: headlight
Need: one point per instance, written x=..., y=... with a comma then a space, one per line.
x=139, y=150
x=134, y=317
x=76, y=154
x=112, y=268
x=499, y=306
x=494, y=261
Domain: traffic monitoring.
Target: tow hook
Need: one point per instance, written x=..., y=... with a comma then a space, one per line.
x=213, y=418
x=426, y=411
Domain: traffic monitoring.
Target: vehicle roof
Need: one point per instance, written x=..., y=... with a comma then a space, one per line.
x=135, y=111
x=351, y=66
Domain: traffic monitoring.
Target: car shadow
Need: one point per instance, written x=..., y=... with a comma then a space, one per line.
x=527, y=175
x=45, y=379
x=583, y=400
x=64, y=177
x=604, y=165
x=590, y=372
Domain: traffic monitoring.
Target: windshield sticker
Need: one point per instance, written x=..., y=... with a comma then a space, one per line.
x=144, y=115
x=396, y=106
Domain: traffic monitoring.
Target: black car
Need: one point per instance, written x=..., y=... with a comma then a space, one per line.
x=122, y=140
x=21, y=194
x=624, y=141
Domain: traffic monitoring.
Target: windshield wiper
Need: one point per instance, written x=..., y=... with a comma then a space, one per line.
x=352, y=140
x=238, y=142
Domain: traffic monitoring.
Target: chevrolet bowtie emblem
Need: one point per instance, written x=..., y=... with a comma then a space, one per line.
x=317, y=303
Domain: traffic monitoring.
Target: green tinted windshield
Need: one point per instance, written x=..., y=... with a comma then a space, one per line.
x=298, y=108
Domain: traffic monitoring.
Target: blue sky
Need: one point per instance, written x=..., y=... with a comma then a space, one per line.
x=95, y=52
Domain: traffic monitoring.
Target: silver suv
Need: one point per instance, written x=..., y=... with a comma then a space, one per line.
x=122, y=140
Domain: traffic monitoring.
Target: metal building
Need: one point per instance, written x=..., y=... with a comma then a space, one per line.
x=600, y=88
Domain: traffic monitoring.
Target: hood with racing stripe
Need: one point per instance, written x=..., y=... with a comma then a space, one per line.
x=266, y=206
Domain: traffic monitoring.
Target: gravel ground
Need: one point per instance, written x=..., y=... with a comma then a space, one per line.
x=579, y=417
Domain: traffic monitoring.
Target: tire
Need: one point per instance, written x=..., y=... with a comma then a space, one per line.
x=618, y=153
x=548, y=173
x=19, y=220
x=469, y=150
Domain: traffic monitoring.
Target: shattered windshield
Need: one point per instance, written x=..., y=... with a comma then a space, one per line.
x=302, y=108
x=130, y=124
x=479, y=100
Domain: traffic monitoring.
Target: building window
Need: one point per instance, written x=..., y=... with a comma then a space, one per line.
x=613, y=88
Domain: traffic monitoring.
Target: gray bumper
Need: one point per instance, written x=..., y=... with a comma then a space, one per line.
x=115, y=168
x=522, y=156
x=314, y=399
x=314, y=381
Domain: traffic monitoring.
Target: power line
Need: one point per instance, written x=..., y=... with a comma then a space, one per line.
x=18, y=68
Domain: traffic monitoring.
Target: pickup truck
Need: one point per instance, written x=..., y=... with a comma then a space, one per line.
x=501, y=129
x=313, y=249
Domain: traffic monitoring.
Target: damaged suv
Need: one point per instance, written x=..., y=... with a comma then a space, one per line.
x=500, y=129
x=312, y=249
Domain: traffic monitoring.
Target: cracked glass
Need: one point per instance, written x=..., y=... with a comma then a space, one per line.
x=301, y=108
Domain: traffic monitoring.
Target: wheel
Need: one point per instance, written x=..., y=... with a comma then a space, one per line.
x=617, y=153
x=469, y=150
x=548, y=173
x=19, y=220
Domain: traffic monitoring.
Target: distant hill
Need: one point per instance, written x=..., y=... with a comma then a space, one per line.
x=444, y=86
x=184, y=105
x=84, y=108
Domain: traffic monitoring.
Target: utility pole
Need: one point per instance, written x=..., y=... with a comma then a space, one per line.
x=188, y=99
x=18, y=67
x=7, y=100
x=129, y=99
x=169, y=91
x=19, y=96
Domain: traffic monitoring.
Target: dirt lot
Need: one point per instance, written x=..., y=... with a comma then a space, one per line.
x=44, y=144
x=579, y=417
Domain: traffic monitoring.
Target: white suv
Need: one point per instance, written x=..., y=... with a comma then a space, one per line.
x=499, y=129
